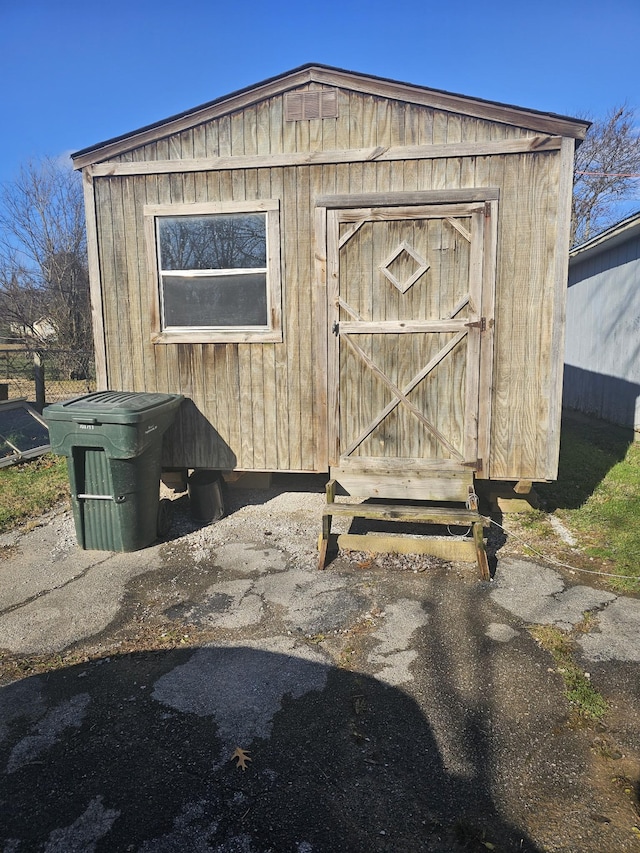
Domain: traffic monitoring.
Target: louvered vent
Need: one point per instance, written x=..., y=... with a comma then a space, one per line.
x=299, y=106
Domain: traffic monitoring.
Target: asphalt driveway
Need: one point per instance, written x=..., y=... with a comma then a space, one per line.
x=215, y=692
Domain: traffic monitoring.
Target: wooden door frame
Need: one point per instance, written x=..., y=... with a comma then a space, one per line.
x=483, y=204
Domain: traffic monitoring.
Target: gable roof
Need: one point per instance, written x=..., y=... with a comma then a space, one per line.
x=627, y=229
x=337, y=77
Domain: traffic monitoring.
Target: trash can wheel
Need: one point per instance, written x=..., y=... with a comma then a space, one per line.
x=164, y=517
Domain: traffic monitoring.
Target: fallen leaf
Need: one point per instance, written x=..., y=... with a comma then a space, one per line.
x=241, y=757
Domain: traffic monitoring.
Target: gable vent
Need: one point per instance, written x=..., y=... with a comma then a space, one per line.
x=299, y=106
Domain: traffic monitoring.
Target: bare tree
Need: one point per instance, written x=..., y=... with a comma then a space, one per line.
x=606, y=171
x=44, y=284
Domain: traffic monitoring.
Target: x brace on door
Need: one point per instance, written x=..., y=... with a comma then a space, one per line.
x=400, y=395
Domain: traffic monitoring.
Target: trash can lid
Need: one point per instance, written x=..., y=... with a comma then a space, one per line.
x=112, y=406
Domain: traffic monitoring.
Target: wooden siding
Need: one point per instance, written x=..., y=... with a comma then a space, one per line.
x=262, y=406
x=323, y=76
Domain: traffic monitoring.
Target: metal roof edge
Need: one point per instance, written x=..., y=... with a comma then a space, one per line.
x=619, y=232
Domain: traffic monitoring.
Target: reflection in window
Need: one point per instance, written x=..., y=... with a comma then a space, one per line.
x=213, y=270
x=223, y=241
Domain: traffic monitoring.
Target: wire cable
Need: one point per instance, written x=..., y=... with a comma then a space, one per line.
x=559, y=562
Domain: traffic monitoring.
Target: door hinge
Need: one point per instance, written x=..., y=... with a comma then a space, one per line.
x=478, y=324
x=335, y=328
x=476, y=464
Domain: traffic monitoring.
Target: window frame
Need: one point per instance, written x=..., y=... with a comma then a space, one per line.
x=20, y=455
x=272, y=331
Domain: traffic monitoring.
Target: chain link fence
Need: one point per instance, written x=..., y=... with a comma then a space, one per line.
x=45, y=376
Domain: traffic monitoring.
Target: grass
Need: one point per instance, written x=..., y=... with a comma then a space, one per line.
x=597, y=494
x=581, y=694
x=30, y=488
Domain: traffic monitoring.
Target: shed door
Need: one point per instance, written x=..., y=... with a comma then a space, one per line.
x=407, y=320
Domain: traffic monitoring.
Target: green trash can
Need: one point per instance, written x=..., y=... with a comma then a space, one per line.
x=113, y=444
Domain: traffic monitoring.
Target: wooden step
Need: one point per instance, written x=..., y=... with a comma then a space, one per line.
x=408, y=514
x=404, y=479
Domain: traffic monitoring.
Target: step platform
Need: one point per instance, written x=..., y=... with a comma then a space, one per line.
x=402, y=513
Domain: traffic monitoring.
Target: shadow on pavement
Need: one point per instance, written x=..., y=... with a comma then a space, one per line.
x=134, y=753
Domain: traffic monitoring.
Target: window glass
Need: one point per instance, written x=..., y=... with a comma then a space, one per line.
x=213, y=270
x=216, y=271
x=222, y=241
x=225, y=300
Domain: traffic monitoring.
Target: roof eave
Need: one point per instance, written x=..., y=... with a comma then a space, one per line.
x=620, y=232
x=491, y=110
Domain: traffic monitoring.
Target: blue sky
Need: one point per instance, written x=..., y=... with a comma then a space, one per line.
x=76, y=72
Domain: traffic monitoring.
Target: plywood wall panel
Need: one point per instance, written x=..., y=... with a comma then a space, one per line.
x=267, y=402
x=109, y=307
x=134, y=198
x=119, y=301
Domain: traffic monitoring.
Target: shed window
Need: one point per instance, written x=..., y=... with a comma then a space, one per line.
x=218, y=275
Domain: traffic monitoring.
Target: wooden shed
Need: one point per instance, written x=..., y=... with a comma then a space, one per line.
x=602, y=357
x=344, y=274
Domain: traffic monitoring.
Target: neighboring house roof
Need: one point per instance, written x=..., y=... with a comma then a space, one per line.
x=543, y=122
x=620, y=232
x=43, y=328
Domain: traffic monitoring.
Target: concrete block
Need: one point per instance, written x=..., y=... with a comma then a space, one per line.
x=504, y=497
